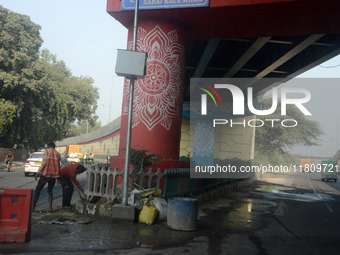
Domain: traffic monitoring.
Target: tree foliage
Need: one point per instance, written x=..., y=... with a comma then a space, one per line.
x=83, y=127
x=44, y=96
x=272, y=140
x=7, y=113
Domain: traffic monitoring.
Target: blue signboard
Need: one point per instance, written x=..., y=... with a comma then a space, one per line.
x=163, y=4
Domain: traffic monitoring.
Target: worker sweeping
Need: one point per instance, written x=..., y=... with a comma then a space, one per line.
x=68, y=176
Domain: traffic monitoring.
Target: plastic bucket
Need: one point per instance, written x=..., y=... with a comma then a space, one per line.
x=182, y=213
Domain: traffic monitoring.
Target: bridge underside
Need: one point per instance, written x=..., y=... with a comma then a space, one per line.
x=248, y=39
x=262, y=38
x=270, y=57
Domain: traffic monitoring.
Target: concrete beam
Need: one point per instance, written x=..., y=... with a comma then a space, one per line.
x=253, y=49
x=206, y=57
x=262, y=90
x=289, y=55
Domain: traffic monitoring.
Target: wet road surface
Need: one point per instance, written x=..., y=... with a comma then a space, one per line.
x=280, y=215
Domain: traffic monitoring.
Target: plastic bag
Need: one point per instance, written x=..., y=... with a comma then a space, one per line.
x=162, y=207
x=148, y=214
x=132, y=197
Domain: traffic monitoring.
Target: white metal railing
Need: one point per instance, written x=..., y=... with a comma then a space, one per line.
x=102, y=181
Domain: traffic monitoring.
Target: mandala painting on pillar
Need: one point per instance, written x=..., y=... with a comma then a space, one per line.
x=158, y=97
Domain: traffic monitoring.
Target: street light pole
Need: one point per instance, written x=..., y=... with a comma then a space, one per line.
x=337, y=135
x=129, y=117
x=111, y=98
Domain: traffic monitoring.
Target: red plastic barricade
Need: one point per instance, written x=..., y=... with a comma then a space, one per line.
x=15, y=215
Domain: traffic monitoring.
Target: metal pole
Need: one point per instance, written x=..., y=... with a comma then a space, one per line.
x=111, y=98
x=129, y=118
x=135, y=25
x=337, y=135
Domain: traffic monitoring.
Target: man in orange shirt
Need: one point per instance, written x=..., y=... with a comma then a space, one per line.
x=49, y=172
x=68, y=174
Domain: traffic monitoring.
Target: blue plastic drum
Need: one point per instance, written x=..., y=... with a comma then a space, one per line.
x=182, y=213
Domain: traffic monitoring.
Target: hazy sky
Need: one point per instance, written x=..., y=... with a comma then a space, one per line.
x=324, y=106
x=86, y=38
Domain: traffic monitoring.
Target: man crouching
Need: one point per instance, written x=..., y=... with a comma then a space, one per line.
x=68, y=174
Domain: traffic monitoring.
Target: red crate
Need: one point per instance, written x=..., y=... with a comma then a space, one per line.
x=15, y=215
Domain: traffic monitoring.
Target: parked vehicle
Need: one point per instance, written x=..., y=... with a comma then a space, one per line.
x=329, y=171
x=33, y=163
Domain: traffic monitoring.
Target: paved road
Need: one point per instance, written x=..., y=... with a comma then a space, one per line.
x=308, y=209
x=278, y=214
x=16, y=179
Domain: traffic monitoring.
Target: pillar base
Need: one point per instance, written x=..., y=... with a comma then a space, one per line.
x=123, y=212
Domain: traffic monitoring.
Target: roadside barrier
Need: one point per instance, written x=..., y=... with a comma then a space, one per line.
x=101, y=181
x=15, y=215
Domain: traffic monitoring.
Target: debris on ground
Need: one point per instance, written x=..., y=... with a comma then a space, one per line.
x=66, y=221
x=60, y=216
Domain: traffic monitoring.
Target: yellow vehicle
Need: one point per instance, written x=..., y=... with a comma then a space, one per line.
x=74, y=154
x=305, y=163
x=72, y=148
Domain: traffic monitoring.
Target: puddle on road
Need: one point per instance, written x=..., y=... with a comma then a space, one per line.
x=243, y=215
x=247, y=215
x=272, y=188
x=277, y=191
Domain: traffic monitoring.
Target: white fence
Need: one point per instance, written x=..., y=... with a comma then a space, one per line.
x=101, y=181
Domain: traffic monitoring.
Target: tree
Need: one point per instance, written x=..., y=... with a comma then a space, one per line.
x=46, y=97
x=276, y=140
x=55, y=100
x=19, y=44
x=83, y=127
x=7, y=113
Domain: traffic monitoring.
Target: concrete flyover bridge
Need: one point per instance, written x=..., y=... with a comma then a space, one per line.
x=200, y=39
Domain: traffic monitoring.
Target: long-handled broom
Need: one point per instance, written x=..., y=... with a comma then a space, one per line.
x=83, y=202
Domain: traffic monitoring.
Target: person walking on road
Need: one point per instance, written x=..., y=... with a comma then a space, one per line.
x=49, y=172
x=9, y=159
x=68, y=174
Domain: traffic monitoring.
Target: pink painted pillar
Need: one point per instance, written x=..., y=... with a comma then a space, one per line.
x=158, y=99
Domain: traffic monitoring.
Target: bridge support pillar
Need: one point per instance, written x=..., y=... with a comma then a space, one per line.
x=158, y=99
